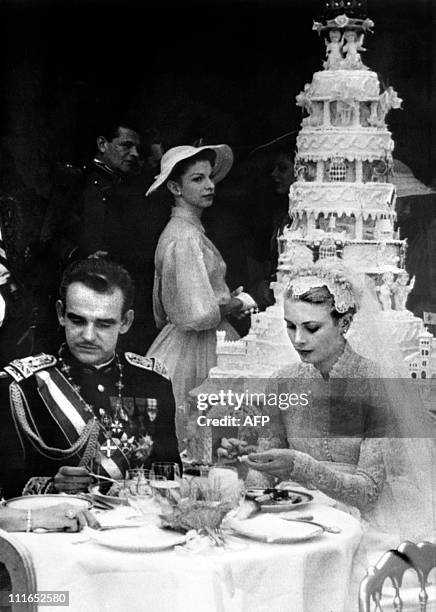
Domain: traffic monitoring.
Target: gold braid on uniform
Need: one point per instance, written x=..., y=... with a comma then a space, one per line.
x=88, y=435
x=91, y=446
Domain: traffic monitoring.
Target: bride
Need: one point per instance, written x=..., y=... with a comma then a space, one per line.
x=361, y=440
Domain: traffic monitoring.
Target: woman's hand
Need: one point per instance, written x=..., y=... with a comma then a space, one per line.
x=234, y=307
x=231, y=450
x=240, y=304
x=63, y=517
x=278, y=461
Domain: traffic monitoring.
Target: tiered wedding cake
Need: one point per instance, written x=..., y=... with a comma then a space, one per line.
x=342, y=203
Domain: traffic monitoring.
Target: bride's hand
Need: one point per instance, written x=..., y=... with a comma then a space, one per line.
x=278, y=461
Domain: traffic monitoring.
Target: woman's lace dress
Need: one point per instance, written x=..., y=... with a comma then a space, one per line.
x=338, y=434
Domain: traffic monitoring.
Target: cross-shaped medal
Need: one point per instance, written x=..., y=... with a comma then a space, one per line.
x=106, y=420
x=117, y=426
x=108, y=447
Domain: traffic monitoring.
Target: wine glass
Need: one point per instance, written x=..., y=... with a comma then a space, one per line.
x=167, y=469
x=138, y=481
x=166, y=492
x=170, y=472
x=139, y=493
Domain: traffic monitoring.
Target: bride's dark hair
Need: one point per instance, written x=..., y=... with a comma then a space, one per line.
x=321, y=295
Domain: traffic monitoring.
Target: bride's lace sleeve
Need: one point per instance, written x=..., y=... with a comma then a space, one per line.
x=360, y=489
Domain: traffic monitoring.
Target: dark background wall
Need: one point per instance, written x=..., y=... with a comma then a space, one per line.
x=227, y=70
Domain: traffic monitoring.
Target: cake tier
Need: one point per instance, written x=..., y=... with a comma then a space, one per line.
x=365, y=144
x=339, y=84
x=363, y=256
x=400, y=329
x=342, y=198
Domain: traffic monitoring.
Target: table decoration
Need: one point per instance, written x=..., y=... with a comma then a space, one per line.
x=203, y=504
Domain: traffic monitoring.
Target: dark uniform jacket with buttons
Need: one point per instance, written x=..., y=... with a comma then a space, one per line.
x=147, y=399
x=96, y=209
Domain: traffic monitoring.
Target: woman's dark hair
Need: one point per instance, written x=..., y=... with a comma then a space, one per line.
x=100, y=275
x=182, y=166
x=321, y=295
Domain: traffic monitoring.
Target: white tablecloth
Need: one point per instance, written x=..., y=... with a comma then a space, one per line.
x=311, y=576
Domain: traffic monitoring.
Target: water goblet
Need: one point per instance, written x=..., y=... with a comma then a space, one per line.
x=167, y=469
x=165, y=492
x=138, y=490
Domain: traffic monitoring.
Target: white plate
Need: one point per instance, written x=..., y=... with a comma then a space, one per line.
x=33, y=502
x=112, y=499
x=141, y=539
x=267, y=528
x=318, y=496
x=281, y=505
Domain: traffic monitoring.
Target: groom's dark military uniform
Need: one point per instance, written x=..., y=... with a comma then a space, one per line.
x=44, y=413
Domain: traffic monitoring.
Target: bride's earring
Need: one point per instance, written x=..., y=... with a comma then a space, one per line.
x=344, y=325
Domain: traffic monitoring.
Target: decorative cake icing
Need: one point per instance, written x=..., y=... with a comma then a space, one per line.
x=342, y=199
x=342, y=203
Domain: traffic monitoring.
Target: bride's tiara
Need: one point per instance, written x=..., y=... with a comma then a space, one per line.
x=303, y=279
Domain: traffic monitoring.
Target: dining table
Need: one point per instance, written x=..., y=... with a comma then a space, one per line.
x=246, y=574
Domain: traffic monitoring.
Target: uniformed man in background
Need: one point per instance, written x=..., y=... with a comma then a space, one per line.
x=101, y=208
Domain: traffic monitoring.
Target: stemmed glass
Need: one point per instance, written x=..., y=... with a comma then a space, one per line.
x=167, y=469
x=165, y=481
x=139, y=492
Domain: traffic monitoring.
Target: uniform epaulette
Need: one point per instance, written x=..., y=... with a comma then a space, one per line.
x=147, y=363
x=23, y=368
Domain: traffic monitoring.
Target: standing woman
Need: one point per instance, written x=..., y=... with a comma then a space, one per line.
x=190, y=297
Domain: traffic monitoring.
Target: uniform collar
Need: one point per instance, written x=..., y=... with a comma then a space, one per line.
x=188, y=216
x=72, y=361
x=109, y=172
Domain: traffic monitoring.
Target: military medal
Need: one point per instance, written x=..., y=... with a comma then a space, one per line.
x=108, y=447
x=115, y=424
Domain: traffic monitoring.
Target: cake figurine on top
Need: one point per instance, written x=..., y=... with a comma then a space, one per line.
x=342, y=203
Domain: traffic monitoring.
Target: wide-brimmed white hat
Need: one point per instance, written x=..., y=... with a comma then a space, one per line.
x=223, y=162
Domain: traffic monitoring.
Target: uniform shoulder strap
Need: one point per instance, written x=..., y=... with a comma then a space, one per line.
x=26, y=367
x=147, y=363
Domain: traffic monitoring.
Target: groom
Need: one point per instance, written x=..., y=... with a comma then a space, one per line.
x=89, y=406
